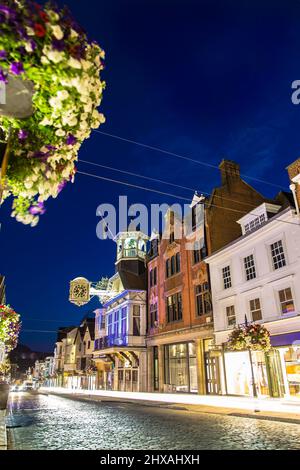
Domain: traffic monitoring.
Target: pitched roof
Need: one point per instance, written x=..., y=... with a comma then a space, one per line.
x=63, y=331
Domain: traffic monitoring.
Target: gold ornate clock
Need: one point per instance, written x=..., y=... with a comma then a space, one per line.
x=79, y=291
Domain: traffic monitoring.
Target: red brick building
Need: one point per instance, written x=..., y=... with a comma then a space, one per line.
x=180, y=328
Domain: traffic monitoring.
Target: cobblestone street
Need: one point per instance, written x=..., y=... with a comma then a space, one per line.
x=51, y=422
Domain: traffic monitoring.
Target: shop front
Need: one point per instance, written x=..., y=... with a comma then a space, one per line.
x=180, y=368
x=288, y=349
x=240, y=373
x=121, y=370
x=248, y=373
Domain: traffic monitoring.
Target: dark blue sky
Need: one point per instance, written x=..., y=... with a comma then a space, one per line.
x=206, y=79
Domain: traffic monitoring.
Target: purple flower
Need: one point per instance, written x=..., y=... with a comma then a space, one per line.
x=38, y=209
x=51, y=147
x=3, y=55
x=71, y=140
x=33, y=44
x=41, y=155
x=22, y=134
x=59, y=45
x=61, y=186
x=8, y=12
x=20, y=30
x=22, y=50
x=3, y=76
x=17, y=68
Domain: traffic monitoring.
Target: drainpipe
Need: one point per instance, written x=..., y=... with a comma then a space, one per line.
x=293, y=189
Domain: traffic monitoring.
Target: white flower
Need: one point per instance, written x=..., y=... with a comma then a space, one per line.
x=30, y=31
x=55, y=56
x=62, y=95
x=57, y=32
x=73, y=34
x=65, y=82
x=45, y=122
x=28, y=47
x=88, y=107
x=98, y=60
x=86, y=65
x=52, y=15
x=28, y=184
x=55, y=102
x=44, y=60
x=74, y=63
x=85, y=99
x=69, y=120
x=60, y=133
x=35, y=221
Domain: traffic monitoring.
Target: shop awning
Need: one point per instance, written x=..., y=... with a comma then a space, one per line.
x=285, y=339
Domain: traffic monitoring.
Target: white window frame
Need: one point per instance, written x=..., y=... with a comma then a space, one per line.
x=279, y=289
x=268, y=243
x=226, y=265
x=255, y=297
x=226, y=316
x=244, y=267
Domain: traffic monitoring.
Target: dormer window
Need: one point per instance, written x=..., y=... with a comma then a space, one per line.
x=255, y=223
x=257, y=217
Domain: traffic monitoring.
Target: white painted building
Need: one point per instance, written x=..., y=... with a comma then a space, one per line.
x=256, y=278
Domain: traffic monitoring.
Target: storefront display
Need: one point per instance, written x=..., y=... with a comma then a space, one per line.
x=292, y=369
x=238, y=373
x=181, y=367
x=239, y=378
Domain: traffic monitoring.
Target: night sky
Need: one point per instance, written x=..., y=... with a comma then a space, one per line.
x=204, y=79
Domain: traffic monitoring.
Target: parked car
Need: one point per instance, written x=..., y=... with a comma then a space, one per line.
x=17, y=388
x=28, y=386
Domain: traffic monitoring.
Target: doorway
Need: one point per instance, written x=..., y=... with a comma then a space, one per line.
x=212, y=369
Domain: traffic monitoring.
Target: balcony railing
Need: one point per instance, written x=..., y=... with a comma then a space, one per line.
x=131, y=253
x=110, y=341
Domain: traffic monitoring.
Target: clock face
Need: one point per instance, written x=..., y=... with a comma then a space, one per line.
x=80, y=291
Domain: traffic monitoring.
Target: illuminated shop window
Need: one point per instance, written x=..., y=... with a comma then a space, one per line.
x=292, y=365
x=286, y=301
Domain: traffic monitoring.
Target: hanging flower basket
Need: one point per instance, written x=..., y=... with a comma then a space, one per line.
x=9, y=327
x=254, y=337
x=46, y=47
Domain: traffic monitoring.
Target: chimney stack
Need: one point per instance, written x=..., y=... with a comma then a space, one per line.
x=294, y=174
x=230, y=171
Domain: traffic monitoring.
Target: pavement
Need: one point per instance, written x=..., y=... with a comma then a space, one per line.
x=275, y=409
x=3, y=436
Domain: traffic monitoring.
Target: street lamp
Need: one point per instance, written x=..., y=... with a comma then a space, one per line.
x=251, y=365
x=15, y=102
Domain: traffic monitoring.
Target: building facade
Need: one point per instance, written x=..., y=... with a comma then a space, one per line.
x=120, y=346
x=180, y=318
x=256, y=279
